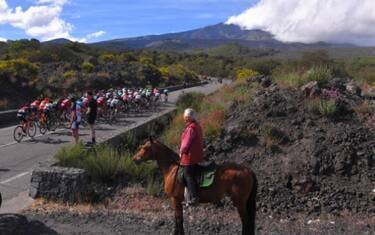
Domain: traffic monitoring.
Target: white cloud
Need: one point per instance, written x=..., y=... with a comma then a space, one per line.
x=42, y=21
x=54, y=2
x=96, y=34
x=3, y=39
x=312, y=20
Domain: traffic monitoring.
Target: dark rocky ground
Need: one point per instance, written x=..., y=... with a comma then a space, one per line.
x=316, y=175
x=305, y=162
x=132, y=211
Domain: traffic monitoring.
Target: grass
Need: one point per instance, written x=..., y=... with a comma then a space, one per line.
x=105, y=164
x=363, y=108
x=190, y=100
x=320, y=74
x=212, y=110
x=292, y=79
x=328, y=108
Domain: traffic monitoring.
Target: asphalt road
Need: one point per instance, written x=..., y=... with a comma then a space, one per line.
x=17, y=160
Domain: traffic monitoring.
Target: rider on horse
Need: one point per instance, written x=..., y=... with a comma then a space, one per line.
x=191, y=153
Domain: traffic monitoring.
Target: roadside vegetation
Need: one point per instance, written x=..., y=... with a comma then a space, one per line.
x=212, y=109
x=107, y=165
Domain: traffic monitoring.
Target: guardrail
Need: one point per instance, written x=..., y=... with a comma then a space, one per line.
x=9, y=117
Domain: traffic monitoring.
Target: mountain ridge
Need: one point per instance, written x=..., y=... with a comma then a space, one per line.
x=208, y=37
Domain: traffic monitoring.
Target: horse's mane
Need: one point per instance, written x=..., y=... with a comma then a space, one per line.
x=168, y=151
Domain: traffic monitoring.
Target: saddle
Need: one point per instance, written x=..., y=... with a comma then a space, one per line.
x=204, y=176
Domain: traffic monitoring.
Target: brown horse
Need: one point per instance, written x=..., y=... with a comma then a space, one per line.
x=233, y=180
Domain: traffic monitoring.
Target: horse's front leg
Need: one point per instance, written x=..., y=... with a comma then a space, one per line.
x=179, y=218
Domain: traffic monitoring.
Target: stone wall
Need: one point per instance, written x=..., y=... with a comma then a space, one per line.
x=59, y=183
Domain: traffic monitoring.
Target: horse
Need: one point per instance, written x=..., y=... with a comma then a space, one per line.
x=233, y=180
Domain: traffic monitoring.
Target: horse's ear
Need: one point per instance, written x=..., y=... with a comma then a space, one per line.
x=151, y=139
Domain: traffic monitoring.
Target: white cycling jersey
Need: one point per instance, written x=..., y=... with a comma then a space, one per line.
x=114, y=102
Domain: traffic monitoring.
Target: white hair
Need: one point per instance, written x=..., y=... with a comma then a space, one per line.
x=191, y=114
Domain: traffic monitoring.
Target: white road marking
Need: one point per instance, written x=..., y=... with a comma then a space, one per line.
x=6, y=145
x=28, y=138
x=14, y=177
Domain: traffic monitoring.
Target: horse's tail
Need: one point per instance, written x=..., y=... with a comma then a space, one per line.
x=251, y=205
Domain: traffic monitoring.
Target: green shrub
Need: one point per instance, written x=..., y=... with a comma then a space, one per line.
x=320, y=74
x=104, y=164
x=128, y=142
x=190, y=100
x=87, y=67
x=324, y=107
x=135, y=172
x=328, y=107
x=71, y=156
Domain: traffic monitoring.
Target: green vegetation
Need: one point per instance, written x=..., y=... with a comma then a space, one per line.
x=106, y=164
x=43, y=69
x=326, y=107
x=190, y=100
x=47, y=69
x=212, y=110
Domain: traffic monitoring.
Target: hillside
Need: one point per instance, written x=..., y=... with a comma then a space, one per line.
x=306, y=159
x=209, y=37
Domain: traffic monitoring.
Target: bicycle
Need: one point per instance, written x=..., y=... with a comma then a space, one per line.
x=47, y=123
x=24, y=129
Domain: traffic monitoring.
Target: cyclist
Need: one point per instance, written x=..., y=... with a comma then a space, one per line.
x=165, y=95
x=23, y=115
x=34, y=106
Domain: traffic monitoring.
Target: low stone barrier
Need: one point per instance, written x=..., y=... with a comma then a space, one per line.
x=59, y=183
x=8, y=117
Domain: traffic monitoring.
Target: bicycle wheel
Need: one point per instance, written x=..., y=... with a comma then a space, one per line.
x=18, y=134
x=42, y=127
x=31, y=131
x=51, y=124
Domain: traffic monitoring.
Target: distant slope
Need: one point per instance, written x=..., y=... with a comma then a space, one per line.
x=210, y=37
x=58, y=41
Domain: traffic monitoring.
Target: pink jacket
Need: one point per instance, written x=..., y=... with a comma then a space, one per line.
x=191, y=149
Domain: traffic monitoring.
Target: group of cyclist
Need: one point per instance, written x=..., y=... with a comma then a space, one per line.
x=77, y=110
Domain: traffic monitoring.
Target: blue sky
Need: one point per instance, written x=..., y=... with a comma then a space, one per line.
x=111, y=19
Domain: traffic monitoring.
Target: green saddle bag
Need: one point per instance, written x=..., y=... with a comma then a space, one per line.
x=205, y=175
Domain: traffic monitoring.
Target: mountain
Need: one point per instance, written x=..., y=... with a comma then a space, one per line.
x=58, y=41
x=210, y=37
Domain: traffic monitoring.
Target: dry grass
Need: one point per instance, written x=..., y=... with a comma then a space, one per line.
x=363, y=108
x=213, y=109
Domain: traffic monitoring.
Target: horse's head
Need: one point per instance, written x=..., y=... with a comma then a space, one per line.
x=144, y=152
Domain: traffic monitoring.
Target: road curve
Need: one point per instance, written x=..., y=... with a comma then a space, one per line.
x=17, y=160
